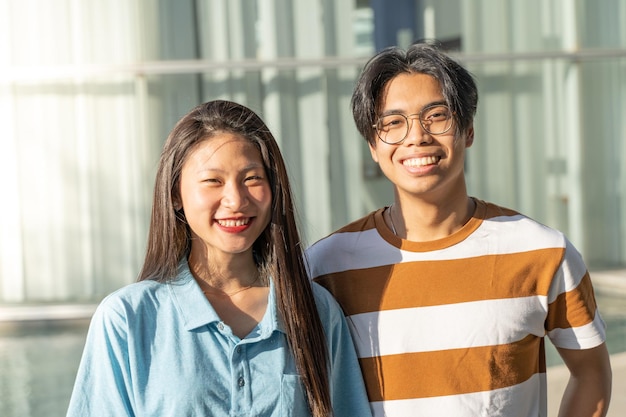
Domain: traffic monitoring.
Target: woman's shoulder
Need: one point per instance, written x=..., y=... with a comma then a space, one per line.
x=133, y=296
x=328, y=308
x=135, y=290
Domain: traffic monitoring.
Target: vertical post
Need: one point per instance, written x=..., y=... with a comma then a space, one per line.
x=396, y=23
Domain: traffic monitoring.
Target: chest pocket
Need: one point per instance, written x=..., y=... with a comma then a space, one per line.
x=292, y=399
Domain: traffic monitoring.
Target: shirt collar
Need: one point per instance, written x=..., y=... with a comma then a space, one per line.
x=196, y=311
x=189, y=299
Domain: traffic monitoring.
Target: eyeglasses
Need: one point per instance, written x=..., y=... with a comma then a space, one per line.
x=394, y=128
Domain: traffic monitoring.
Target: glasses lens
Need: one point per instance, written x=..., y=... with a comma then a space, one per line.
x=392, y=128
x=436, y=119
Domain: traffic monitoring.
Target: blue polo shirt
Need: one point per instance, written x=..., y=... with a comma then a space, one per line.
x=160, y=349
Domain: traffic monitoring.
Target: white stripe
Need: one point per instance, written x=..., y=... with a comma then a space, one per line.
x=522, y=400
x=584, y=337
x=451, y=326
x=367, y=249
x=354, y=250
x=569, y=274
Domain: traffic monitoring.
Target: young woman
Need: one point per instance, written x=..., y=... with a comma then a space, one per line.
x=224, y=320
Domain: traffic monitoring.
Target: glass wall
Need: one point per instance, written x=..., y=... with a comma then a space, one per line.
x=550, y=123
x=88, y=93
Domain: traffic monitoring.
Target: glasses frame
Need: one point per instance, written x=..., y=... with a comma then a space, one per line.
x=409, y=123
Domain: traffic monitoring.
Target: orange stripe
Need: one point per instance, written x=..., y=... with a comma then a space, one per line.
x=576, y=307
x=418, y=284
x=360, y=225
x=493, y=210
x=452, y=372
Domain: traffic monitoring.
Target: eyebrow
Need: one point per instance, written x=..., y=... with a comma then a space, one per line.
x=398, y=111
x=248, y=167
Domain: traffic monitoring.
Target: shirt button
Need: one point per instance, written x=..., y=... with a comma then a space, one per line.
x=220, y=326
x=238, y=349
x=241, y=382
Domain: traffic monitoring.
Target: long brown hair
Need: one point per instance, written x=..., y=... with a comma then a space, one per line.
x=278, y=251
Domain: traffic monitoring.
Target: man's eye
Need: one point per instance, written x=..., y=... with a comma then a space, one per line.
x=437, y=114
x=390, y=122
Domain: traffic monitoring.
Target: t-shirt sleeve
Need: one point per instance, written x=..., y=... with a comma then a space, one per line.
x=573, y=320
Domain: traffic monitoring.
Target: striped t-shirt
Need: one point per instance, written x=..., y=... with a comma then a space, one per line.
x=456, y=326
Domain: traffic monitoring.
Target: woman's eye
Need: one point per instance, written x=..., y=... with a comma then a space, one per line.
x=253, y=178
x=211, y=180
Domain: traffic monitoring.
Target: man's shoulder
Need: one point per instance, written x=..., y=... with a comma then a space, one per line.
x=364, y=224
x=343, y=243
x=504, y=220
x=494, y=210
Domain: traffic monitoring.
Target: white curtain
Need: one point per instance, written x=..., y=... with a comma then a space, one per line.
x=89, y=90
x=74, y=159
x=550, y=126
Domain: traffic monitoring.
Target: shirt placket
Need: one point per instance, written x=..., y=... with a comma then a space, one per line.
x=240, y=387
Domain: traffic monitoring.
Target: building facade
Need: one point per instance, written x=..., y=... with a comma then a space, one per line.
x=90, y=90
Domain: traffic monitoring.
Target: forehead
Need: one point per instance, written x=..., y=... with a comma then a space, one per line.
x=410, y=90
x=224, y=148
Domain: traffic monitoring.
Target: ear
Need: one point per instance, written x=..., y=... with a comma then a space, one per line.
x=373, y=152
x=469, y=136
x=177, y=203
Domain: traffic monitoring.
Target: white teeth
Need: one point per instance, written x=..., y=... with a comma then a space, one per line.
x=233, y=223
x=419, y=162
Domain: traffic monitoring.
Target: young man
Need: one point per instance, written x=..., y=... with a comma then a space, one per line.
x=450, y=297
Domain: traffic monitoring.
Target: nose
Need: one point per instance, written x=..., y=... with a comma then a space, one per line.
x=416, y=134
x=234, y=196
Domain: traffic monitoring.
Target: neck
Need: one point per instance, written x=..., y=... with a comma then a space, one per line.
x=227, y=276
x=419, y=221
